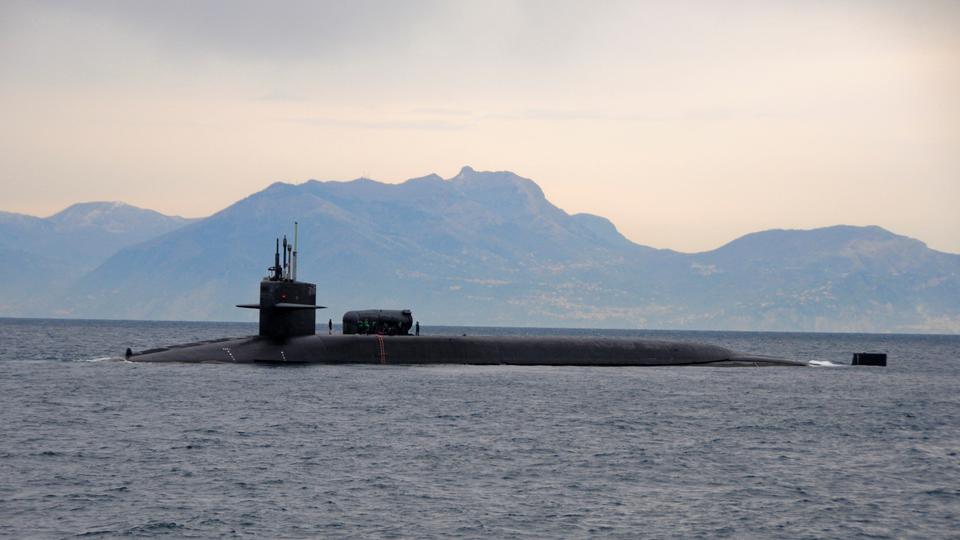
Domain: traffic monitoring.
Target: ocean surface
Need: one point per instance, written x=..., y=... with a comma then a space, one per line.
x=91, y=446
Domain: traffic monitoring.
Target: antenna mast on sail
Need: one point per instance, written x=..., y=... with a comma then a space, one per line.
x=293, y=263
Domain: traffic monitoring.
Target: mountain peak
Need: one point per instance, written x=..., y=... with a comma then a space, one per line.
x=91, y=206
x=280, y=185
x=832, y=235
x=111, y=216
x=787, y=246
x=90, y=213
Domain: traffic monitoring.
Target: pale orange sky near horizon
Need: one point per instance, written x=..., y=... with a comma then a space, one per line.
x=687, y=124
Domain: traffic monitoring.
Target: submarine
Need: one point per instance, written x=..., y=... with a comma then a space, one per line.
x=287, y=335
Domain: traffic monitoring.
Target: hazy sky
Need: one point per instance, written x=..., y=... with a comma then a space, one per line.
x=686, y=123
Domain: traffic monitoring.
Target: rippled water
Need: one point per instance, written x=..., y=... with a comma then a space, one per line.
x=111, y=448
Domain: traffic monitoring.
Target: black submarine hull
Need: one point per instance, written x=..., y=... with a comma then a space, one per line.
x=471, y=350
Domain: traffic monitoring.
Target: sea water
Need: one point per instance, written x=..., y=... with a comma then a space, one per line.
x=94, y=446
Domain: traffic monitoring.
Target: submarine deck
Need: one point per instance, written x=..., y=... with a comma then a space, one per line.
x=471, y=350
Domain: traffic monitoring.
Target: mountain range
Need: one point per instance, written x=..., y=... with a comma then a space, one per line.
x=481, y=248
x=40, y=258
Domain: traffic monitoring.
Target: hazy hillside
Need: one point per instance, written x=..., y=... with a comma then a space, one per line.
x=488, y=248
x=831, y=279
x=41, y=257
x=439, y=245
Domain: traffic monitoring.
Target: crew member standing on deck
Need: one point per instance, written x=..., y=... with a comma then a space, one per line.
x=418, y=328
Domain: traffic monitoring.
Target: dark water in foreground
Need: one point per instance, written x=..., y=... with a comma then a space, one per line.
x=90, y=448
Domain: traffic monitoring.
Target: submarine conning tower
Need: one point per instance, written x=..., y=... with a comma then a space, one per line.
x=287, y=306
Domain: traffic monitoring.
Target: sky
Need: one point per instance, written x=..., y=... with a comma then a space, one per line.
x=687, y=124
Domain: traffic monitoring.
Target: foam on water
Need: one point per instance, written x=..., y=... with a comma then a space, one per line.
x=825, y=363
x=102, y=359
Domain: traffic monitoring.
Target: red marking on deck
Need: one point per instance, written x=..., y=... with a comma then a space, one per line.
x=383, y=350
